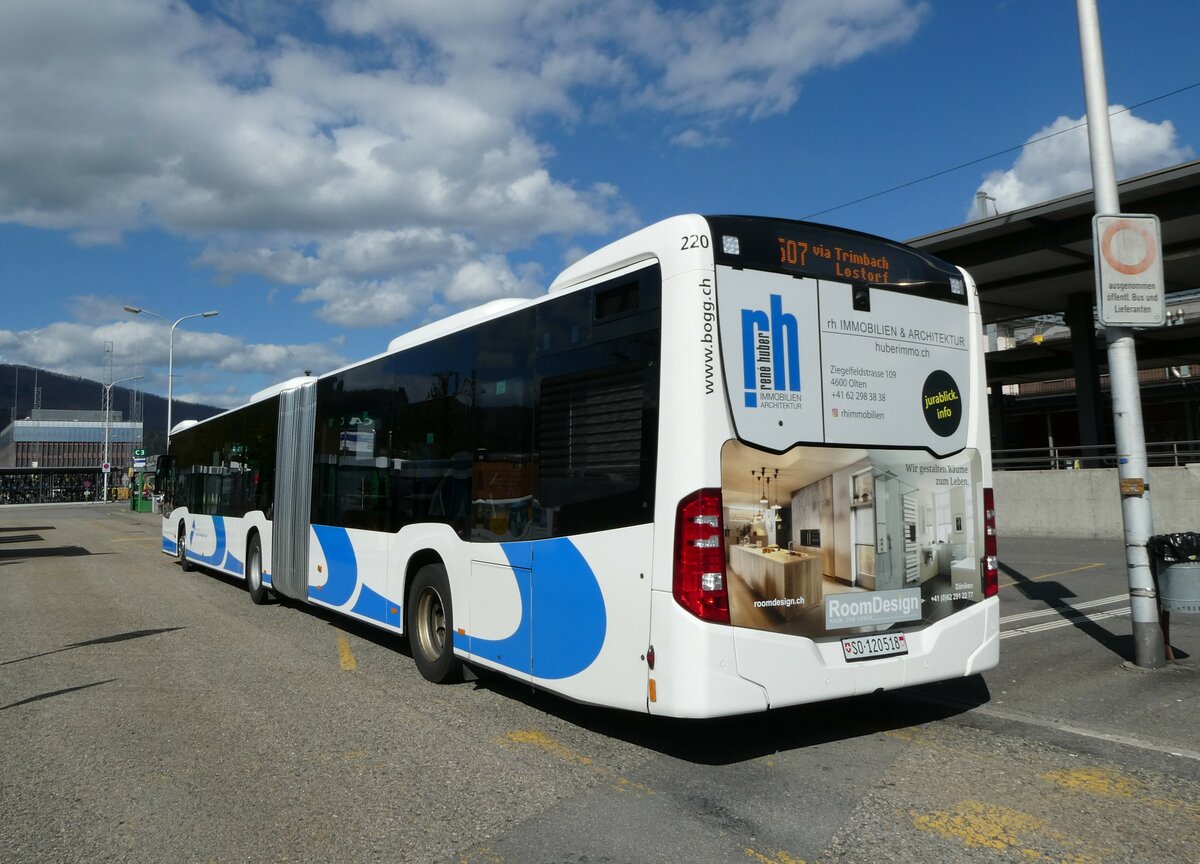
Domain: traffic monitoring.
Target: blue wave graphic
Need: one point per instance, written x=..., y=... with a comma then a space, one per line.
x=169, y=545
x=563, y=618
x=375, y=606
x=343, y=579
x=218, y=555
x=341, y=563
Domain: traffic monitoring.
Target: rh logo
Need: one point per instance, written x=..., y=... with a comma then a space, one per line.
x=770, y=351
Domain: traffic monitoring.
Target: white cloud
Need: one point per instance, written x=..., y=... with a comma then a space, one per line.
x=393, y=158
x=422, y=294
x=730, y=59
x=1061, y=165
x=351, y=303
x=480, y=281
x=694, y=139
x=139, y=347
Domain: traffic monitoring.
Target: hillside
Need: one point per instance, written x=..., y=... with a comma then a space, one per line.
x=65, y=392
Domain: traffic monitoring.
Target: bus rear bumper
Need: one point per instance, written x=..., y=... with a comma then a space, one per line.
x=794, y=670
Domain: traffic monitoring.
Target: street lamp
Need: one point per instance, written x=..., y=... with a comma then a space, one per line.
x=107, y=420
x=137, y=310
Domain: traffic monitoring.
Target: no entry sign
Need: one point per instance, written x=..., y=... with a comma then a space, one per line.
x=1129, y=273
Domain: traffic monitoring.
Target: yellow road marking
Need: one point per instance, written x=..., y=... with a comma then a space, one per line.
x=1048, y=575
x=980, y=825
x=544, y=742
x=548, y=744
x=777, y=856
x=345, y=655
x=1110, y=784
x=912, y=735
x=482, y=855
x=624, y=784
x=1097, y=781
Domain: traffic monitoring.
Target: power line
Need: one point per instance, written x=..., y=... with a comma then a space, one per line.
x=992, y=155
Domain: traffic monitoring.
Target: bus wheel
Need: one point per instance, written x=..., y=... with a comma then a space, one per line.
x=181, y=551
x=254, y=579
x=431, y=625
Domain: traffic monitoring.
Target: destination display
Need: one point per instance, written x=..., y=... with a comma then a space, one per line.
x=806, y=249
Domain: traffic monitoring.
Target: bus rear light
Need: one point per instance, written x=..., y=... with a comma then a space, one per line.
x=991, y=561
x=699, y=579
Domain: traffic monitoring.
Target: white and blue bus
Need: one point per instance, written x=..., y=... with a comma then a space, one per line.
x=725, y=464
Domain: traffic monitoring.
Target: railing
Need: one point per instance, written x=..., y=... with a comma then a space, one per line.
x=1158, y=454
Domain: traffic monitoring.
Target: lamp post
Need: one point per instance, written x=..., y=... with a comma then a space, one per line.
x=107, y=422
x=137, y=310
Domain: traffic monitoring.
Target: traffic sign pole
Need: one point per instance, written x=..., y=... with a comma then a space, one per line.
x=1132, y=467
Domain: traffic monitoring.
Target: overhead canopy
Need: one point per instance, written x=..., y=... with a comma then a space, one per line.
x=1053, y=359
x=1031, y=261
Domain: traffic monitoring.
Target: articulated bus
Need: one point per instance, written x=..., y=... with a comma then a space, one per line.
x=726, y=464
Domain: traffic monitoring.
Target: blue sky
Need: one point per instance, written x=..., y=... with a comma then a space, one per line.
x=331, y=174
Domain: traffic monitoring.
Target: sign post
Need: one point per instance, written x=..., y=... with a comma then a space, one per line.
x=1123, y=246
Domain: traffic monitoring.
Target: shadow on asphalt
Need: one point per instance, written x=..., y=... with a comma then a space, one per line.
x=726, y=740
x=722, y=741
x=1056, y=596
x=21, y=538
x=9, y=555
x=366, y=632
x=729, y=740
x=101, y=640
x=51, y=694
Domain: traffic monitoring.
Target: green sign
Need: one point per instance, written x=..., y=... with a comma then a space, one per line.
x=139, y=452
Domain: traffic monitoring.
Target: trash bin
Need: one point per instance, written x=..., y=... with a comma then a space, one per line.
x=1177, y=570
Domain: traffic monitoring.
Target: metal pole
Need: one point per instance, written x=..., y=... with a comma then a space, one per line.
x=107, y=420
x=107, y=415
x=137, y=310
x=1148, y=645
x=170, y=377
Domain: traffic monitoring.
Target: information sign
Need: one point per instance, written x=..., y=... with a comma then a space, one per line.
x=1130, y=291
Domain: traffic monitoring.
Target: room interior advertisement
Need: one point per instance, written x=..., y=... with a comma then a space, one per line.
x=835, y=541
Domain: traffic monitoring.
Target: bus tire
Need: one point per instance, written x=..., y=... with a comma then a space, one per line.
x=430, y=622
x=181, y=551
x=254, y=571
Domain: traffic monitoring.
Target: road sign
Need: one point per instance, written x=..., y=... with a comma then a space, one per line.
x=1130, y=291
x=139, y=463
x=105, y=467
x=139, y=452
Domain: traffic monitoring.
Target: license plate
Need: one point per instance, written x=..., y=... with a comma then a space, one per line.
x=870, y=647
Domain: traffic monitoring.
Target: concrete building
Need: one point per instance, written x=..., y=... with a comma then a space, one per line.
x=69, y=439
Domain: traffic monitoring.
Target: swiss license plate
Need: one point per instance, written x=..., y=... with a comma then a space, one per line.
x=870, y=647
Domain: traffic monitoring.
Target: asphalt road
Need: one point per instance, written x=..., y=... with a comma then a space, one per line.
x=153, y=715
